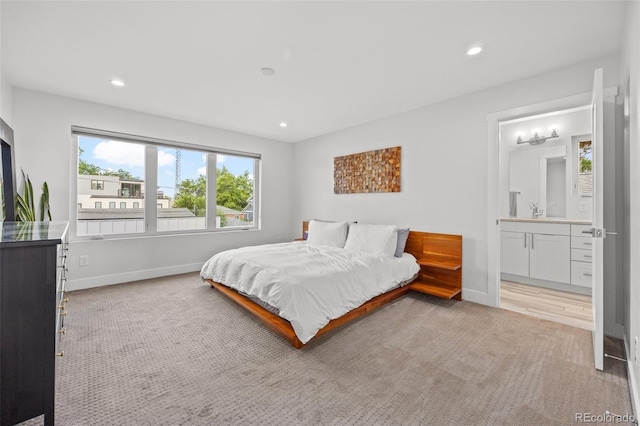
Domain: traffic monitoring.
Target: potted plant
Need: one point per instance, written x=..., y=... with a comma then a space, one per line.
x=25, y=207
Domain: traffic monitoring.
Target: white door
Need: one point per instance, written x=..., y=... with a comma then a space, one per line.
x=597, y=232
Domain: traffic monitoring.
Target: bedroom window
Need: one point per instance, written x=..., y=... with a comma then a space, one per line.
x=234, y=190
x=196, y=188
x=182, y=189
x=111, y=169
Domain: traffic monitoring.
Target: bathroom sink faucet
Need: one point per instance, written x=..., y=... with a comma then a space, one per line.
x=536, y=212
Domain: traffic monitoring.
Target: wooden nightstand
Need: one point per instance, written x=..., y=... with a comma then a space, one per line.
x=440, y=266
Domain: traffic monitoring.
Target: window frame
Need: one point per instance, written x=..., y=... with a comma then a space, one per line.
x=151, y=174
x=575, y=148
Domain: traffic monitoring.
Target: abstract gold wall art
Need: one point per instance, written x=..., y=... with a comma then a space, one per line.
x=371, y=171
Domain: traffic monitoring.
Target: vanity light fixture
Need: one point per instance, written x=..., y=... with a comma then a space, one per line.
x=536, y=139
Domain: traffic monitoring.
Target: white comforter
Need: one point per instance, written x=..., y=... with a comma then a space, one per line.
x=310, y=284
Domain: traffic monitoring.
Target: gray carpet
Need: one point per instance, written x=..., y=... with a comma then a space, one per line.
x=174, y=351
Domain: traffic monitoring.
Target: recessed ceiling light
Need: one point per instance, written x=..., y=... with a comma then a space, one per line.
x=267, y=71
x=116, y=82
x=474, y=50
x=283, y=124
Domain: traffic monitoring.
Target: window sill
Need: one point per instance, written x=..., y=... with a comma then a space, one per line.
x=137, y=236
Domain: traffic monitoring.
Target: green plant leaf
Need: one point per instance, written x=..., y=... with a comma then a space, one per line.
x=25, y=213
x=25, y=206
x=44, y=202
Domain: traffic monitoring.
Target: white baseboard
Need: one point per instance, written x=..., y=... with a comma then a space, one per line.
x=99, y=281
x=475, y=296
x=631, y=376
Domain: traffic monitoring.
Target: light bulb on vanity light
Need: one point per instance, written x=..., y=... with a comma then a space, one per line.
x=519, y=136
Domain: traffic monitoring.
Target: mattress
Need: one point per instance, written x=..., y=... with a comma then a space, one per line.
x=308, y=284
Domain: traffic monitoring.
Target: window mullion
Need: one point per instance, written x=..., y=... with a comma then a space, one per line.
x=211, y=190
x=151, y=189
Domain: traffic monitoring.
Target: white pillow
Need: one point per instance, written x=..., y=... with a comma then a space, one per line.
x=328, y=233
x=380, y=240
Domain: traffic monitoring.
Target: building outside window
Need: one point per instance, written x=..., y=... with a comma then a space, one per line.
x=116, y=167
x=123, y=205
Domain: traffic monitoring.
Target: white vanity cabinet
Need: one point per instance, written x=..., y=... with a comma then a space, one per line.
x=536, y=250
x=514, y=253
x=549, y=257
x=581, y=272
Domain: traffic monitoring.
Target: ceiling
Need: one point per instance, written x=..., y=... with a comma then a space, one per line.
x=337, y=64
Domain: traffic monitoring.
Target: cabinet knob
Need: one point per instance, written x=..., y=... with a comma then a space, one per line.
x=65, y=300
x=62, y=330
x=60, y=354
x=64, y=314
x=61, y=307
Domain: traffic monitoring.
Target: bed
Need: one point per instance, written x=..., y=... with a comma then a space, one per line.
x=304, y=289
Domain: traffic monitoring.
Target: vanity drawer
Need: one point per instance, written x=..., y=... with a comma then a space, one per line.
x=581, y=274
x=581, y=255
x=581, y=242
x=577, y=230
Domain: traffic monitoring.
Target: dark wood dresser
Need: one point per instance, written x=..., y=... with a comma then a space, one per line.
x=33, y=273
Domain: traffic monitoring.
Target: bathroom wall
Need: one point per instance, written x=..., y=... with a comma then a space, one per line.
x=567, y=124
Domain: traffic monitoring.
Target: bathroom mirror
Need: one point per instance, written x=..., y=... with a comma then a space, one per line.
x=552, y=172
x=537, y=176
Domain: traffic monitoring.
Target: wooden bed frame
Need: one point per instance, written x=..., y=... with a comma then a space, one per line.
x=416, y=245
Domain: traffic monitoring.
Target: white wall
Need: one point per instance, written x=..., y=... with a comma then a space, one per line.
x=42, y=126
x=568, y=124
x=5, y=89
x=444, y=158
x=630, y=85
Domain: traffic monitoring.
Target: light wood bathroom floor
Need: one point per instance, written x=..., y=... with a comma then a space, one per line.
x=553, y=305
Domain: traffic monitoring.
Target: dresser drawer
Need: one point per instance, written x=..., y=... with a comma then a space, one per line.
x=581, y=242
x=581, y=274
x=581, y=255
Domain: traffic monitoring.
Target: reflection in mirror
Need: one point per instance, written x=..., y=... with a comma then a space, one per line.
x=7, y=173
x=585, y=172
x=556, y=187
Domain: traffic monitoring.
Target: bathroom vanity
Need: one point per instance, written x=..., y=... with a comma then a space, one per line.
x=548, y=252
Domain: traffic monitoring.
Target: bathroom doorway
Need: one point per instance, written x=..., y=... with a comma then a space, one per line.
x=551, y=239
x=545, y=261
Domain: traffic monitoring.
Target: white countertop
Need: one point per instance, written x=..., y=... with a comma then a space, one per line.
x=547, y=220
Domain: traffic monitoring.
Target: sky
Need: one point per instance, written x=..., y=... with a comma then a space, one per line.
x=113, y=155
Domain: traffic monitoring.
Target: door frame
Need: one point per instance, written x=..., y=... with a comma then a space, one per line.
x=493, y=175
